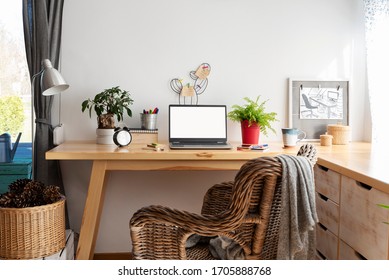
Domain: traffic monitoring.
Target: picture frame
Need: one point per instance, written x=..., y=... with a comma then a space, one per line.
x=314, y=104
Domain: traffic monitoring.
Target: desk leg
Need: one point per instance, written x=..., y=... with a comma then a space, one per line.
x=92, y=211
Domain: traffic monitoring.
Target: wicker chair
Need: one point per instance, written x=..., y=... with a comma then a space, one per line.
x=245, y=210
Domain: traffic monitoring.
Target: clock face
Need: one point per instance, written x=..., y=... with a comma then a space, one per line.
x=123, y=138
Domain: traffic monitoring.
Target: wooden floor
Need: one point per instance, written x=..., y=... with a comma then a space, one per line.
x=112, y=256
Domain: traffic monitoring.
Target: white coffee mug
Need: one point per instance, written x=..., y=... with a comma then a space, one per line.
x=291, y=136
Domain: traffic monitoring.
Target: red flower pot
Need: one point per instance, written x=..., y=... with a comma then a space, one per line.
x=250, y=133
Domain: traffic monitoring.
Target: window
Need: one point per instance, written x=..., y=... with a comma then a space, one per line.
x=15, y=93
x=377, y=48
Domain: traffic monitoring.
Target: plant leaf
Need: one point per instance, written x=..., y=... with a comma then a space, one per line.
x=383, y=206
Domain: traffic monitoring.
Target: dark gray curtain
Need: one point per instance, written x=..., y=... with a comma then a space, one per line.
x=42, y=21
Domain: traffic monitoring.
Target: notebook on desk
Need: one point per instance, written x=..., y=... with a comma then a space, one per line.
x=198, y=127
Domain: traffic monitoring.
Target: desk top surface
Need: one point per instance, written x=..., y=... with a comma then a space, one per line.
x=92, y=151
x=358, y=160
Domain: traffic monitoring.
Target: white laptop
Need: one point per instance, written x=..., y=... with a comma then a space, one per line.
x=198, y=127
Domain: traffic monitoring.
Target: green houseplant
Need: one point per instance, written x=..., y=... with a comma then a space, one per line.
x=108, y=104
x=253, y=118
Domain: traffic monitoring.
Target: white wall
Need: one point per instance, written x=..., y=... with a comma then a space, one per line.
x=253, y=47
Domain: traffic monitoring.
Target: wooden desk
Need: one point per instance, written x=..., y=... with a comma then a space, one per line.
x=360, y=161
x=110, y=158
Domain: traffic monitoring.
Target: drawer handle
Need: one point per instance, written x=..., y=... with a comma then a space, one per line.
x=321, y=255
x=323, y=197
x=360, y=256
x=363, y=185
x=322, y=226
x=322, y=167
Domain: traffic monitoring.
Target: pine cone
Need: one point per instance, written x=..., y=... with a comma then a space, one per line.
x=7, y=200
x=21, y=201
x=33, y=194
x=18, y=185
x=51, y=194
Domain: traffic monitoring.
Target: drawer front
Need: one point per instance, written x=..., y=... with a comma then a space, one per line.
x=362, y=221
x=326, y=243
x=327, y=182
x=348, y=253
x=328, y=213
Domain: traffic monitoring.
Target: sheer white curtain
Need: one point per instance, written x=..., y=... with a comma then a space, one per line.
x=377, y=48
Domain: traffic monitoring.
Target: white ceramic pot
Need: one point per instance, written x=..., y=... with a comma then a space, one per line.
x=104, y=136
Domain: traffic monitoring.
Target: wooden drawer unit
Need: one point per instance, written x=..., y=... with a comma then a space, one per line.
x=348, y=253
x=327, y=182
x=326, y=243
x=361, y=220
x=328, y=213
x=327, y=206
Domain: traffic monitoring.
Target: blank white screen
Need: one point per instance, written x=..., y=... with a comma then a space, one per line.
x=198, y=122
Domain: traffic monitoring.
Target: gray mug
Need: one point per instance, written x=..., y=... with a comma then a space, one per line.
x=291, y=136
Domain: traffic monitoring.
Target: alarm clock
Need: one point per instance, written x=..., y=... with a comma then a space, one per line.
x=122, y=136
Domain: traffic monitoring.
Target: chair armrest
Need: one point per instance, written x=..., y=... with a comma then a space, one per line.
x=190, y=222
x=217, y=198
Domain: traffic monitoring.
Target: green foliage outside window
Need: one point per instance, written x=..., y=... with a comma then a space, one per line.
x=11, y=115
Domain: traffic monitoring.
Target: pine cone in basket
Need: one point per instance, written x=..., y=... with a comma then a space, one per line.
x=51, y=194
x=27, y=193
x=33, y=194
x=17, y=187
x=21, y=201
x=7, y=200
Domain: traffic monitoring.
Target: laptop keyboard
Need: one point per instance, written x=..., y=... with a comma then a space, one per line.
x=203, y=146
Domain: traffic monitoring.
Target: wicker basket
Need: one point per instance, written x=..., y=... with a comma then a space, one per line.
x=341, y=133
x=326, y=140
x=32, y=232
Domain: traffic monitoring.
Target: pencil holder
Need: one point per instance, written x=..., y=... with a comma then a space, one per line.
x=148, y=121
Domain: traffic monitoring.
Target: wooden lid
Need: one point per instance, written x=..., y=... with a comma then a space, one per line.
x=338, y=127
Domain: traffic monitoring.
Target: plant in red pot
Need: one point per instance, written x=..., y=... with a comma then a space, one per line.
x=253, y=119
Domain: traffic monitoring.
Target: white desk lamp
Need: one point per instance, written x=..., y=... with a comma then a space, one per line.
x=52, y=81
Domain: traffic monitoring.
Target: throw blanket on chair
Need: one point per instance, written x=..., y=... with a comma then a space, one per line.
x=297, y=237
x=220, y=247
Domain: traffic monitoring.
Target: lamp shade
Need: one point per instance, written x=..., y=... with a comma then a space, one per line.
x=52, y=81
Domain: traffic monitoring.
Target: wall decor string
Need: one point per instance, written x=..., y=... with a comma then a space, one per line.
x=200, y=78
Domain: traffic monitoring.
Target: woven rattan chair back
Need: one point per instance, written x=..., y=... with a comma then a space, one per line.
x=246, y=210
x=255, y=200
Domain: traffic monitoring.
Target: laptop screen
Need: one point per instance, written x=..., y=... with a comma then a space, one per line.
x=197, y=123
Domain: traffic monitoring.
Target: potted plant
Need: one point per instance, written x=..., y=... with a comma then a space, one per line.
x=108, y=104
x=253, y=119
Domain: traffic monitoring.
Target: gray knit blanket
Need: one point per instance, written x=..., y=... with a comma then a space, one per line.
x=297, y=237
